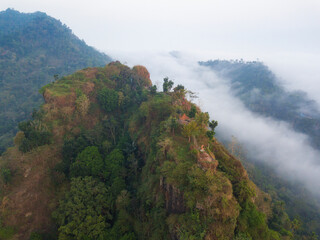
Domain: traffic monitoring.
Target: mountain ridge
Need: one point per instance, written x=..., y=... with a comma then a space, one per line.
x=160, y=177
x=35, y=49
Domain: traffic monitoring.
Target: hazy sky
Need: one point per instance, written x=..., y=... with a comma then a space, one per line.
x=250, y=27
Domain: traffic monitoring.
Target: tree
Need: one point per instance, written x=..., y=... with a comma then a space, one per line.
x=114, y=164
x=212, y=125
x=114, y=172
x=88, y=162
x=153, y=89
x=192, y=112
x=84, y=211
x=179, y=91
x=202, y=119
x=191, y=129
x=178, y=88
x=171, y=124
x=167, y=84
x=108, y=98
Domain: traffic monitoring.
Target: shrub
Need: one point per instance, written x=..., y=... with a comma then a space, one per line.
x=108, y=99
x=6, y=175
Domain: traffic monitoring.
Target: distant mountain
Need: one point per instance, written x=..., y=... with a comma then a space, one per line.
x=33, y=48
x=260, y=91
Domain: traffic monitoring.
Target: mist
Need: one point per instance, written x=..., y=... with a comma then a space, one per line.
x=267, y=140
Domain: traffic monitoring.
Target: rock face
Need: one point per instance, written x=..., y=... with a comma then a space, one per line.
x=173, y=198
x=207, y=161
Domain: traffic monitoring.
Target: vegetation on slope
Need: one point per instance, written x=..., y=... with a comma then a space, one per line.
x=261, y=92
x=123, y=161
x=34, y=48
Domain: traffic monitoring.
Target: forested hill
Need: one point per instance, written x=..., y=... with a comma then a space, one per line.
x=33, y=48
x=261, y=92
x=108, y=156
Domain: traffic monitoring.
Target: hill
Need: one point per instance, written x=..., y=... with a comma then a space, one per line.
x=33, y=48
x=109, y=157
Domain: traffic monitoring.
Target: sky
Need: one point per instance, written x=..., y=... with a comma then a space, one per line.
x=247, y=28
x=285, y=34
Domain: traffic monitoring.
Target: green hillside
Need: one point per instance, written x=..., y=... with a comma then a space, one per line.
x=33, y=49
x=110, y=157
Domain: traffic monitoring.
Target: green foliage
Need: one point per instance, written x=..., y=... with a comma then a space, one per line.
x=35, y=135
x=35, y=50
x=88, y=163
x=6, y=232
x=167, y=84
x=213, y=124
x=108, y=98
x=70, y=150
x=193, y=111
x=179, y=88
x=191, y=130
x=35, y=236
x=253, y=223
x=6, y=175
x=242, y=236
x=210, y=134
x=280, y=220
x=114, y=163
x=192, y=226
x=298, y=203
x=84, y=212
x=153, y=89
x=243, y=191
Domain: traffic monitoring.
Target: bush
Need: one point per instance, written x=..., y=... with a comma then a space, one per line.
x=6, y=175
x=35, y=135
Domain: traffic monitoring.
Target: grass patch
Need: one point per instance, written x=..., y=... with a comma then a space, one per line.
x=6, y=232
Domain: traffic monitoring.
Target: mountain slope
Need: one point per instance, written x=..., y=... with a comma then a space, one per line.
x=261, y=92
x=33, y=48
x=111, y=158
